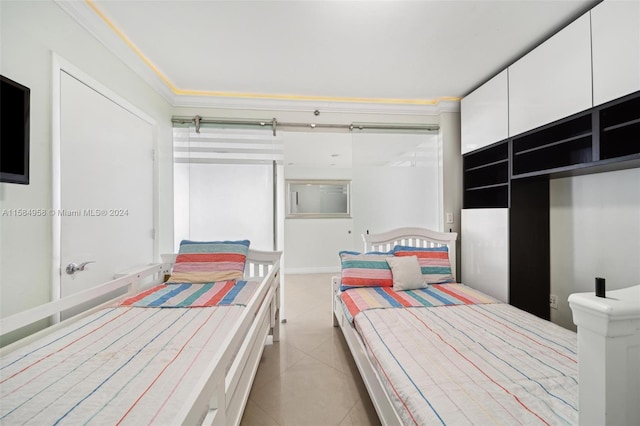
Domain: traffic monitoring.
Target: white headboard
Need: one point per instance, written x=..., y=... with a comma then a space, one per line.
x=414, y=237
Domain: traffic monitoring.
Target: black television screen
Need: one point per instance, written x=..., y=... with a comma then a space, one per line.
x=14, y=131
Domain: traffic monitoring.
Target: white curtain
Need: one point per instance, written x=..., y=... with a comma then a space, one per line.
x=224, y=185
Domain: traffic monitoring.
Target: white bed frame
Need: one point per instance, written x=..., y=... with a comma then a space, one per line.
x=608, y=342
x=414, y=237
x=219, y=398
x=608, y=356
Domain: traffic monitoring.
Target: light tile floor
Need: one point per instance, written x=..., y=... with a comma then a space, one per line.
x=309, y=377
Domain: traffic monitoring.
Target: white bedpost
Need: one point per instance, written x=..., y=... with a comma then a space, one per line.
x=608, y=356
x=275, y=311
x=335, y=290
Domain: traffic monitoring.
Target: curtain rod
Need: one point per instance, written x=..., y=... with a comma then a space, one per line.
x=274, y=124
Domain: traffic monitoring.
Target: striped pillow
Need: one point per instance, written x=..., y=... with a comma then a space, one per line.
x=434, y=262
x=209, y=261
x=365, y=270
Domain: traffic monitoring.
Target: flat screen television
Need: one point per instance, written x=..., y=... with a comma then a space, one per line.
x=14, y=131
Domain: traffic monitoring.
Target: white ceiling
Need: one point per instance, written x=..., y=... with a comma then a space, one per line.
x=402, y=52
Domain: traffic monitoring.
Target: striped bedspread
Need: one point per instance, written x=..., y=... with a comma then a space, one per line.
x=360, y=299
x=118, y=366
x=223, y=293
x=473, y=364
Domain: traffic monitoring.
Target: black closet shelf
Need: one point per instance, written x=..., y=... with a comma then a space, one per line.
x=482, y=166
x=495, y=185
x=551, y=144
x=607, y=165
x=548, y=172
x=620, y=125
x=630, y=161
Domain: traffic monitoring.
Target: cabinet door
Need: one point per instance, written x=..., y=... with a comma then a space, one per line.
x=615, y=27
x=485, y=114
x=552, y=81
x=485, y=251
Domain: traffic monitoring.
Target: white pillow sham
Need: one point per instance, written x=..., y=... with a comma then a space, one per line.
x=406, y=272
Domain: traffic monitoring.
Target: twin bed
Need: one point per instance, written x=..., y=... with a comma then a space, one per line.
x=164, y=353
x=185, y=353
x=447, y=354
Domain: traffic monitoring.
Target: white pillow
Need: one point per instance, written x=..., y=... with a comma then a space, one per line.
x=407, y=274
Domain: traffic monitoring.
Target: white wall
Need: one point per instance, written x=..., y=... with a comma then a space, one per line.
x=395, y=182
x=450, y=132
x=311, y=245
x=30, y=32
x=595, y=232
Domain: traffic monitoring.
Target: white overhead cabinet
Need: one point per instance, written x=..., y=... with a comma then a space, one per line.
x=485, y=114
x=615, y=27
x=552, y=81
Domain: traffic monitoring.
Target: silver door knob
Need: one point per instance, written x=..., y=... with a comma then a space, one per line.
x=72, y=268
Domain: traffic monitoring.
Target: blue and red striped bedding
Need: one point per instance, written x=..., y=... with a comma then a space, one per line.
x=356, y=300
x=118, y=366
x=450, y=355
x=473, y=364
x=127, y=364
x=168, y=295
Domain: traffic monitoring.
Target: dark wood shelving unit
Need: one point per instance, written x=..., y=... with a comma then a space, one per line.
x=564, y=144
x=515, y=174
x=604, y=138
x=492, y=196
x=620, y=129
x=486, y=177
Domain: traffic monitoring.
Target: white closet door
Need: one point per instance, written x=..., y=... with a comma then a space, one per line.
x=485, y=251
x=552, y=81
x=106, y=187
x=484, y=114
x=615, y=27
